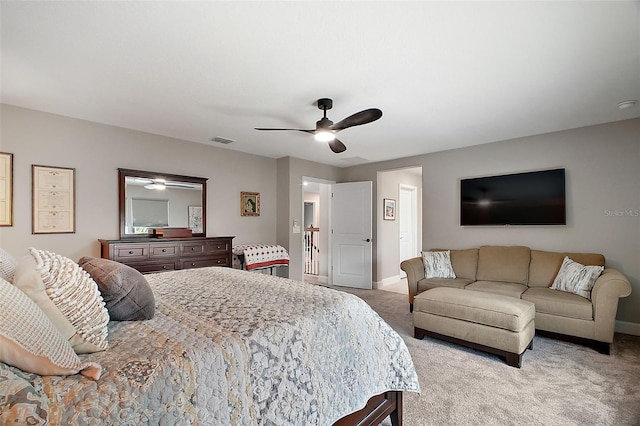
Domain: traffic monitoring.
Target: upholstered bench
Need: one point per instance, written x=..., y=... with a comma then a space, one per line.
x=492, y=323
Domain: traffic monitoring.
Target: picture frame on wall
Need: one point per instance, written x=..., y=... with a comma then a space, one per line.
x=249, y=204
x=389, y=208
x=6, y=189
x=53, y=200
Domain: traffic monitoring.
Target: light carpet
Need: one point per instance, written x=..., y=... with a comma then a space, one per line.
x=560, y=383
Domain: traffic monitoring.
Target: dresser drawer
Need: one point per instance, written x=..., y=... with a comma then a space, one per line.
x=130, y=252
x=159, y=251
x=192, y=249
x=215, y=247
x=155, y=267
x=197, y=263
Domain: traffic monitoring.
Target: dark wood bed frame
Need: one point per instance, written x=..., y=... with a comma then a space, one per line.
x=378, y=408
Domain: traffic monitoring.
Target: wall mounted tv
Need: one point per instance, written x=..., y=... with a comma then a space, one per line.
x=532, y=198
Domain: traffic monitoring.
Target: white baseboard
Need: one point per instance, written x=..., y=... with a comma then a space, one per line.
x=320, y=279
x=628, y=328
x=386, y=281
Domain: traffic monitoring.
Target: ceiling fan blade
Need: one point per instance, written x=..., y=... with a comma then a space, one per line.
x=297, y=130
x=362, y=117
x=337, y=146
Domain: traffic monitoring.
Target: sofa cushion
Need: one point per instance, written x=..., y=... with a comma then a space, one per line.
x=498, y=287
x=495, y=311
x=504, y=264
x=546, y=264
x=464, y=262
x=560, y=303
x=576, y=278
x=429, y=283
x=437, y=264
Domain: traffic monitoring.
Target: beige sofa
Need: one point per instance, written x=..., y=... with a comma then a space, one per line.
x=527, y=274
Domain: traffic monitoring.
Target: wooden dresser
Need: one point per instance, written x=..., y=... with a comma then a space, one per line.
x=168, y=254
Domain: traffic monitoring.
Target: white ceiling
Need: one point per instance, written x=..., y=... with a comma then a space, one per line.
x=445, y=74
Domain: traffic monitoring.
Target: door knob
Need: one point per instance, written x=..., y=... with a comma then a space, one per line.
x=367, y=240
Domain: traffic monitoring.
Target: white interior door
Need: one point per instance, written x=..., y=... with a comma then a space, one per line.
x=407, y=217
x=351, y=246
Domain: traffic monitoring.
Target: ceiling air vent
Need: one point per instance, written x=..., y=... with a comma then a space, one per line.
x=222, y=140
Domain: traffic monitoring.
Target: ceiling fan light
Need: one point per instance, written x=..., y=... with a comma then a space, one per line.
x=324, y=136
x=156, y=186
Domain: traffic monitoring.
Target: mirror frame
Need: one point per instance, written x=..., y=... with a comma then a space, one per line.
x=124, y=173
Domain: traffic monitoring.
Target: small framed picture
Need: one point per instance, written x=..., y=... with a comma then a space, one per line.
x=249, y=204
x=389, y=209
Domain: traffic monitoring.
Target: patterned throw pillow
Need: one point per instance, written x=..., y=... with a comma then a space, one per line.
x=8, y=266
x=437, y=264
x=576, y=278
x=68, y=296
x=30, y=341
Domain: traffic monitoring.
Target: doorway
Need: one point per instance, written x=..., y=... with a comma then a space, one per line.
x=401, y=237
x=316, y=195
x=407, y=213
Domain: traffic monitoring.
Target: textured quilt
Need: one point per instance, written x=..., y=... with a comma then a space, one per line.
x=226, y=347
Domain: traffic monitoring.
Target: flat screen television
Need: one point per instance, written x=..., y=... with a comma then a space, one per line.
x=531, y=198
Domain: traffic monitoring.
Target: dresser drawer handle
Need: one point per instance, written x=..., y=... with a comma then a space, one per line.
x=164, y=266
x=218, y=247
x=193, y=248
x=130, y=251
x=193, y=264
x=164, y=250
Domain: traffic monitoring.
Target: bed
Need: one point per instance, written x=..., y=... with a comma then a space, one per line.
x=227, y=346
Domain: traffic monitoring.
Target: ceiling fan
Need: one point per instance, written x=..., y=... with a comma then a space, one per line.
x=325, y=130
x=160, y=184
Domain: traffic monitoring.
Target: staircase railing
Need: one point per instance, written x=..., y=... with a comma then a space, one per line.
x=311, y=251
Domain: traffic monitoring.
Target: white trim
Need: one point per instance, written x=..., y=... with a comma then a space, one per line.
x=319, y=279
x=624, y=327
x=386, y=281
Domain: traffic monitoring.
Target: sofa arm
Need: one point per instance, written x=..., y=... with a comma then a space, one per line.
x=609, y=287
x=414, y=268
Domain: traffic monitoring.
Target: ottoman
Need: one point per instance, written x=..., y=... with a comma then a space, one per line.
x=489, y=322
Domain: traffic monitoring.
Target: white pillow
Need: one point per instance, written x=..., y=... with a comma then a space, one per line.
x=8, y=266
x=68, y=296
x=576, y=278
x=30, y=342
x=437, y=264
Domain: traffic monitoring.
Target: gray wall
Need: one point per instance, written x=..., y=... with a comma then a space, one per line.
x=96, y=151
x=603, y=196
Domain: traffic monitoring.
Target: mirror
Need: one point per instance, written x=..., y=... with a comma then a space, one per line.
x=150, y=200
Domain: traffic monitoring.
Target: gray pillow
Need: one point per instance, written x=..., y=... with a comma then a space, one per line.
x=125, y=291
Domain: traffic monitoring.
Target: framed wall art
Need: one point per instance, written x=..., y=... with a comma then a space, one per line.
x=53, y=200
x=6, y=189
x=249, y=204
x=389, y=209
x=195, y=219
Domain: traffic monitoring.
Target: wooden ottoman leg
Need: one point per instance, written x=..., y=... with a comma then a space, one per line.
x=513, y=360
x=419, y=333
